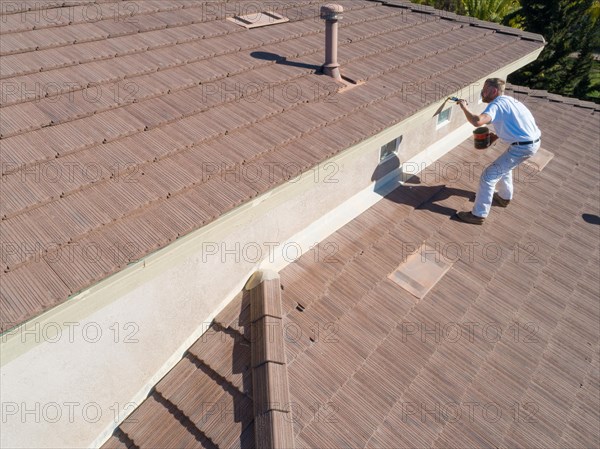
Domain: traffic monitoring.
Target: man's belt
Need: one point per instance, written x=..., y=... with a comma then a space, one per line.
x=529, y=142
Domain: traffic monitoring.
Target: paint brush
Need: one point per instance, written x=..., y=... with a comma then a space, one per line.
x=441, y=108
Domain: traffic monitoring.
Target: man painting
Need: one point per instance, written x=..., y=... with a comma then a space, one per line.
x=514, y=124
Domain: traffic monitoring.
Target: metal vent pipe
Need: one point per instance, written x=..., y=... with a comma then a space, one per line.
x=331, y=13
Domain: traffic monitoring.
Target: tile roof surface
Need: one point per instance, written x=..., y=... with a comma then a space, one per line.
x=119, y=118
x=504, y=351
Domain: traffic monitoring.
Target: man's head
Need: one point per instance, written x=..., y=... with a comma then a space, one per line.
x=492, y=88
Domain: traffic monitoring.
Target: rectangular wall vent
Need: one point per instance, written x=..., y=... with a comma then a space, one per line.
x=444, y=118
x=390, y=149
x=258, y=19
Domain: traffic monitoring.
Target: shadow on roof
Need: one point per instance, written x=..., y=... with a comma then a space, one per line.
x=591, y=218
x=266, y=56
x=426, y=197
x=415, y=194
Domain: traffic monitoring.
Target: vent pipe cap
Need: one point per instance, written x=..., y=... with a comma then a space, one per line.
x=331, y=12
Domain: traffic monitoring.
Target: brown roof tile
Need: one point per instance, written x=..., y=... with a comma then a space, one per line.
x=176, y=429
x=29, y=283
x=196, y=403
x=230, y=357
x=118, y=441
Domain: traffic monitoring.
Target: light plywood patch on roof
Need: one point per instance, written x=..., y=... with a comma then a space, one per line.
x=259, y=19
x=540, y=159
x=420, y=271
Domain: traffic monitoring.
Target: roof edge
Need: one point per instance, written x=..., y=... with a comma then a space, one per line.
x=472, y=21
x=555, y=98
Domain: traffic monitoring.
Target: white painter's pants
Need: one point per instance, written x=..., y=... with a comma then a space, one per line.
x=500, y=172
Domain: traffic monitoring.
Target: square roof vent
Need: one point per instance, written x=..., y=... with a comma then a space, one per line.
x=259, y=19
x=421, y=271
x=540, y=159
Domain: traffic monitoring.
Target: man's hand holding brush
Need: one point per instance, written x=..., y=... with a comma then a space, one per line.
x=475, y=120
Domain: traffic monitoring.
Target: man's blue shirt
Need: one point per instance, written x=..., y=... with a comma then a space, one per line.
x=512, y=120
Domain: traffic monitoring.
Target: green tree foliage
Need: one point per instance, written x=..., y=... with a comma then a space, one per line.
x=490, y=10
x=446, y=5
x=571, y=31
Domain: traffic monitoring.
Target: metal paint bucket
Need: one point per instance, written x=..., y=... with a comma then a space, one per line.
x=481, y=138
